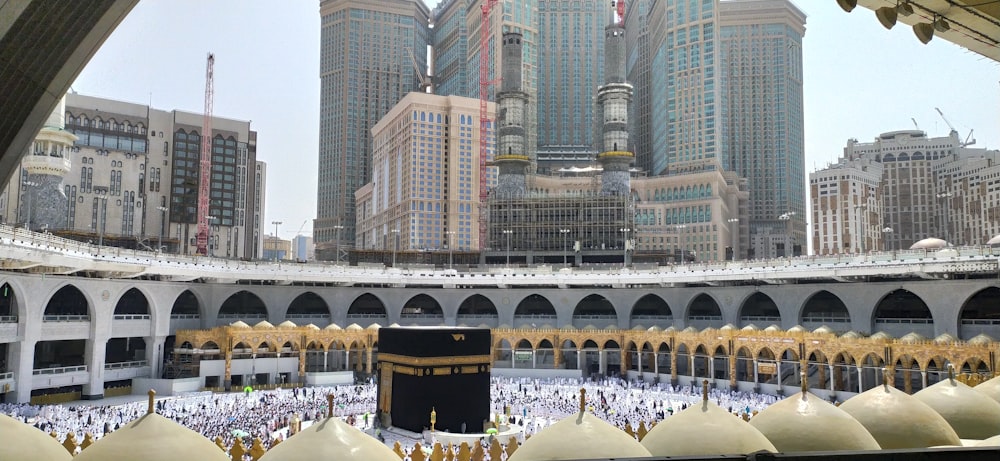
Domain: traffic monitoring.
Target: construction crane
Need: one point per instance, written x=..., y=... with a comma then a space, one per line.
x=426, y=86
x=484, y=121
x=206, y=159
x=967, y=141
x=915, y=123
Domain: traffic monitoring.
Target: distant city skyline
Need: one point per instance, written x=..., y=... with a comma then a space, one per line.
x=859, y=80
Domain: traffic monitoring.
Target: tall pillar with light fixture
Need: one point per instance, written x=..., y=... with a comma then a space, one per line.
x=276, y=241
x=614, y=98
x=338, y=228
x=43, y=200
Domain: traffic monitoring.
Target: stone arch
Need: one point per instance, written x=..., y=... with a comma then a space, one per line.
x=422, y=309
x=186, y=304
x=760, y=309
x=870, y=366
x=367, y=305
x=744, y=364
x=844, y=372
x=209, y=345
x=477, y=306
x=703, y=311
x=68, y=303
x=651, y=310
x=243, y=305
x=133, y=302
x=308, y=305
x=825, y=308
x=683, y=360
x=9, y=307
x=979, y=314
x=900, y=312
x=596, y=310
x=535, y=306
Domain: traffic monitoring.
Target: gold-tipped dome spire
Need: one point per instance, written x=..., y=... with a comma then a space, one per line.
x=580, y=436
x=972, y=414
x=898, y=420
x=683, y=434
x=805, y=422
x=22, y=442
x=330, y=438
x=152, y=437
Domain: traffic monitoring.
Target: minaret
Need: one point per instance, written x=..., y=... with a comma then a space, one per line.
x=511, y=159
x=43, y=203
x=614, y=97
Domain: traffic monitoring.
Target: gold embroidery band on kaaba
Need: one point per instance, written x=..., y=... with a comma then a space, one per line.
x=435, y=361
x=440, y=371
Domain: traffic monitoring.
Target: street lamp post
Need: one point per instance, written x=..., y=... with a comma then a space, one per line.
x=861, y=224
x=338, y=228
x=565, y=250
x=886, y=232
x=787, y=217
x=211, y=243
x=103, y=198
x=29, y=188
x=507, y=232
x=947, y=224
x=395, y=242
x=734, y=235
x=451, y=235
x=625, y=230
x=163, y=218
x=274, y=243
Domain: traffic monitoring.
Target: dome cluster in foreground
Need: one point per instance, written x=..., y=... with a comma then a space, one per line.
x=947, y=413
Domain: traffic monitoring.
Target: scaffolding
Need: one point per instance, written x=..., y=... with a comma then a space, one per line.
x=536, y=222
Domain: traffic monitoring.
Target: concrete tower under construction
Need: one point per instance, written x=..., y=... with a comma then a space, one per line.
x=614, y=98
x=511, y=158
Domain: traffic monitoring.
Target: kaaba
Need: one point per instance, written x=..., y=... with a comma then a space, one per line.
x=446, y=370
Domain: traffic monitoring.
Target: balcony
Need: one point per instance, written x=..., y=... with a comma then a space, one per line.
x=130, y=325
x=59, y=327
x=126, y=370
x=185, y=322
x=7, y=381
x=8, y=330
x=901, y=326
x=59, y=376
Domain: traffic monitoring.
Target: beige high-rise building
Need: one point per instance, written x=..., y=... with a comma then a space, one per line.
x=424, y=192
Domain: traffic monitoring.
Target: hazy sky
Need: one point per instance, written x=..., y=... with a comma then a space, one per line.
x=860, y=80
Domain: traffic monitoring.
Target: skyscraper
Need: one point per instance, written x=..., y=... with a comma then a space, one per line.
x=760, y=63
x=370, y=55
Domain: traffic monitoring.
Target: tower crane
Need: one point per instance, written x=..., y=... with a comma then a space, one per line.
x=964, y=143
x=205, y=172
x=484, y=121
x=425, y=81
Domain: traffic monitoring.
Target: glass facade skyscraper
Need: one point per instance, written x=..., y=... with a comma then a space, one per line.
x=365, y=69
x=760, y=64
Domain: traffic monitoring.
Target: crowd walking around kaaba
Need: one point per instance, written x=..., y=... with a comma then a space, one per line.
x=531, y=404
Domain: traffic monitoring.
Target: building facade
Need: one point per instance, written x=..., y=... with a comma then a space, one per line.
x=902, y=188
x=132, y=177
x=371, y=54
x=424, y=192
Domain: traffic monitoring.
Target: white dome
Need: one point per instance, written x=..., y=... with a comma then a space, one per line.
x=972, y=414
x=882, y=409
x=263, y=325
x=990, y=388
x=994, y=241
x=684, y=434
x=805, y=422
x=239, y=324
x=929, y=244
x=287, y=324
x=23, y=442
x=579, y=436
x=330, y=438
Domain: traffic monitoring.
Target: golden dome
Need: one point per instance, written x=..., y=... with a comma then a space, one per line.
x=239, y=324
x=152, y=437
x=374, y=326
x=750, y=327
x=685, y=433
x=354, y=326
x=823, y=329
x=263, y=325
x=806, y=422
x=655, y=328
x=981, y=339
x=579, y=436
x=881, y=335
x=25, y=443
x=851, y=335
x=944, y=338
x=991, y=388
x=773, y=327
x=797, y=328
x=727, y=327
x=972, y=414
x=333, y=326
x=330, y=438
x=312, y=327
x=911, y=338
x=287, y=324
x=898, y=420
x=690, y=330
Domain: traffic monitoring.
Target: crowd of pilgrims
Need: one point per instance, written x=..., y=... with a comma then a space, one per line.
x=531, y=403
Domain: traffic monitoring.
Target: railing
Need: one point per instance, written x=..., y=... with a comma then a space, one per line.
x=122, y=365
x=704, y=317
x=826, y=319
x=652, y=317
x=8, y=319
x=594, y=316
x=131, y=317
x=58, y=370
x=185, y=316
x=366, y=316
x=66, y=318
x=535, y=316
x=254, y=316
x=903, y=320
x=759, y=318
x=980, y=321
x=430, y=315
x=7, y=375
x=308, y=316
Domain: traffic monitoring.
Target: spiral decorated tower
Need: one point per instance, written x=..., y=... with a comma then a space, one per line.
x=614, y=98
x=511, y=159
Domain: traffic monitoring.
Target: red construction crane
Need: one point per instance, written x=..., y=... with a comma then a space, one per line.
x=484, y=120
x=206, y=159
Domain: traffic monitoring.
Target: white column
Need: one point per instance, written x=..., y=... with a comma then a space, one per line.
x=347, y=359
x=861, y=388
x=326, y=359
x=94, y=356
x=711, y=367
x=579, y=359
x=691, y=368
x=638, y=361
x=154, y=354
x=533, y=363
x=602, y=366
x=23, y=363
x=656, y=363
x=923, y=378
x=833, y=387
x=778, y=369
x=756, y=379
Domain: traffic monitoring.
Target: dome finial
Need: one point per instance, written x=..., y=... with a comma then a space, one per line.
x=329, y=405
x=951, y=373
x=885, y=377
x=804, y=382
x=150, y=410
x=704, y=391
x=583, y=400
